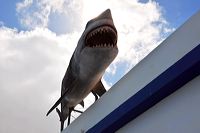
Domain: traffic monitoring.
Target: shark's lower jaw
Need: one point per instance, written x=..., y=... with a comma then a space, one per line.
x=102, y=37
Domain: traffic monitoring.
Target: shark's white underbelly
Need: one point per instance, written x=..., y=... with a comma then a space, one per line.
x=81, y=89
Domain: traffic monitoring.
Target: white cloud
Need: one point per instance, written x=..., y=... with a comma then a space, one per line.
x=32, y=63
x=140, y=26
x=61, y=16
x=33, y=14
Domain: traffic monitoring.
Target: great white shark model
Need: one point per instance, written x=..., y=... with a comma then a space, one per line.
x=96, y=49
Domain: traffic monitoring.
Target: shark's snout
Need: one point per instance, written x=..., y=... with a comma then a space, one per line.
x=105, y=15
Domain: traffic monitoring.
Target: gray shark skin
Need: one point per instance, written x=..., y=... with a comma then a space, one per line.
x=96, y=49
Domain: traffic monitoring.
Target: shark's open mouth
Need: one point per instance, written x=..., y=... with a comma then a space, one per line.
x=104, y=36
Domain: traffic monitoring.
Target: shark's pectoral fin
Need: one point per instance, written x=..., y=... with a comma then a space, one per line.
x=57, y=103
x=54, y=106
x=99, y=89
x=72, y=82
x=69, y=116
x=82, y=103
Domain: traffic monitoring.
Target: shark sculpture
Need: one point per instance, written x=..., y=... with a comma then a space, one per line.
x=96, y=49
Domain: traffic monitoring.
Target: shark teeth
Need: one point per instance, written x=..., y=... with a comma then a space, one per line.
x=104, y=36
x=102, y=45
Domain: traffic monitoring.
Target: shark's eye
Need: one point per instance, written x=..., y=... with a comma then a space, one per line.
x=104, y=36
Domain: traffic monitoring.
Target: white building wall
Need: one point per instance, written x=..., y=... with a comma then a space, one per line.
x=178, y=113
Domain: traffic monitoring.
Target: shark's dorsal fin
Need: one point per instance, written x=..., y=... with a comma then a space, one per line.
x=99, y=89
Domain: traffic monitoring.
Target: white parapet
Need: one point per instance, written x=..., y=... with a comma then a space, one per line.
x=140, y=89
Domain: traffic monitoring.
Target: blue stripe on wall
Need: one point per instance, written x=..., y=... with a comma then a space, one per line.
x=180, y=73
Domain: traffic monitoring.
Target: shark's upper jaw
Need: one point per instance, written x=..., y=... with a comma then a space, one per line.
x=104, y=36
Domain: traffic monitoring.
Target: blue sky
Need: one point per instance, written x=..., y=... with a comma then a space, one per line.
x=8, y=13
x=176, y=12
x=38, y=38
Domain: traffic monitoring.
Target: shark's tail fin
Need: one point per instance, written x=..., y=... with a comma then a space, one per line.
x=63, y=117
x=61, y=121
